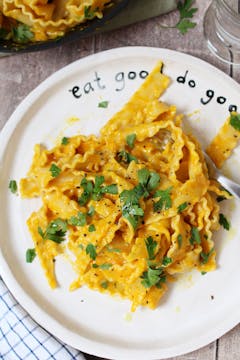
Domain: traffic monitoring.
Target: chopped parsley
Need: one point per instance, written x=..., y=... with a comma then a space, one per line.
x=91, y=228
x=87, y=191
x=55, y=231
x=164, y=202
x=131, y=209
x=91, y=251
x=224, y=222
x=166, y=261
x=103, y=104
x=79, y=220
x=182, y=207
x=55, y=170
x=195, y=236
x=186, y=12
x=95, y=190
x=179, y=240
x=205, y=257
x=130, y=140
x=30, y=255
x=91, y=211
x=65, y=140
x=88, y=12
x=104, y=284
x=235, y=121
x=153, y=277
x=13, y=186
x=104, y=266
x=22, y=33
x=148, y=179
x=125, y=157
x=151, y=247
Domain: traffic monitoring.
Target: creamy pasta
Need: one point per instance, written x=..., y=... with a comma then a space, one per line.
x=134, y=206
x=40, y=20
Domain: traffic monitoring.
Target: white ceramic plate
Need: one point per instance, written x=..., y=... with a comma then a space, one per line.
x=197, y=309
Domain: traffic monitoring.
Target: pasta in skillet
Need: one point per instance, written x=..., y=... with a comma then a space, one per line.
x=134, y=206
x=39, y=20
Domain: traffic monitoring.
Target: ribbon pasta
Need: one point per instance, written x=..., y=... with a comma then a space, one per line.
x=49, y=19
x=134, y=207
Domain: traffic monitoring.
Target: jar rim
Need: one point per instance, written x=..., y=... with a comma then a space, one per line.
x=230, y=10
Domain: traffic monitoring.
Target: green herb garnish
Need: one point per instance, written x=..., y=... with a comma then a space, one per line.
x=13, y=186
x=91, y=211
x=88, y=12
x=55, y=231
x=55, y=170
x=151, y=247
x=166, y=261
x=111, y=249
x=103, y=104
x=235, y=121
x=65, y=140
x=130, y=140
x=104, y=284
x=179, y=240
x=195, y=236
x=91, y=251
x=91, y=228
x=153, y=277
x=205, y=257
x=22, y=33
x=224, y=222
x=125, y=157
x=79, y=220
x=87, y=191
x=148, y=179
x=30, y=255
x=131, y=209
x=182, y=207
x=164, y=202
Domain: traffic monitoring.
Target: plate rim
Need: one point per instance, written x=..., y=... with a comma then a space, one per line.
x=36, y=312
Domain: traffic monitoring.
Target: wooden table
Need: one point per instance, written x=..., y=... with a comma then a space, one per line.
x=21, y=73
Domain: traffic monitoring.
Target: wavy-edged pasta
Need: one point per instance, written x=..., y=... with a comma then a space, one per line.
x=134, y=206
x=45, y=19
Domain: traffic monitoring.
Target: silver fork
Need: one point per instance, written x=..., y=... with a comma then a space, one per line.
x=228, y=184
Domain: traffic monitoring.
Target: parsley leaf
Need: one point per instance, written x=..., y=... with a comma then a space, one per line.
x=22, y=33
x=91, y=211
x=55, y=170
x=224, y=222
x=125, y=157
x=103, y=104
x=165, y=201
x=99, y=190
x=235, y=121
x=88, y=12
x=166, y=261
x=151, y=247
x=13, y=186
x=130, y=139
x=131, y=209
x=91, y=228
x=182, y=207
x=65, y=140
x=186, y=12
x=55, y=231
x=179, y=240
x=87, y=191
x=205, y=257
x=153, y=277
x=30, y=255
x=195, y=236
x=91, y=251
x=149, y=180
x=79, y=220
x=105, y=266
x=104, y=284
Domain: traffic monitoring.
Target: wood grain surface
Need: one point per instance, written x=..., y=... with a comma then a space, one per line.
x=19, y=74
